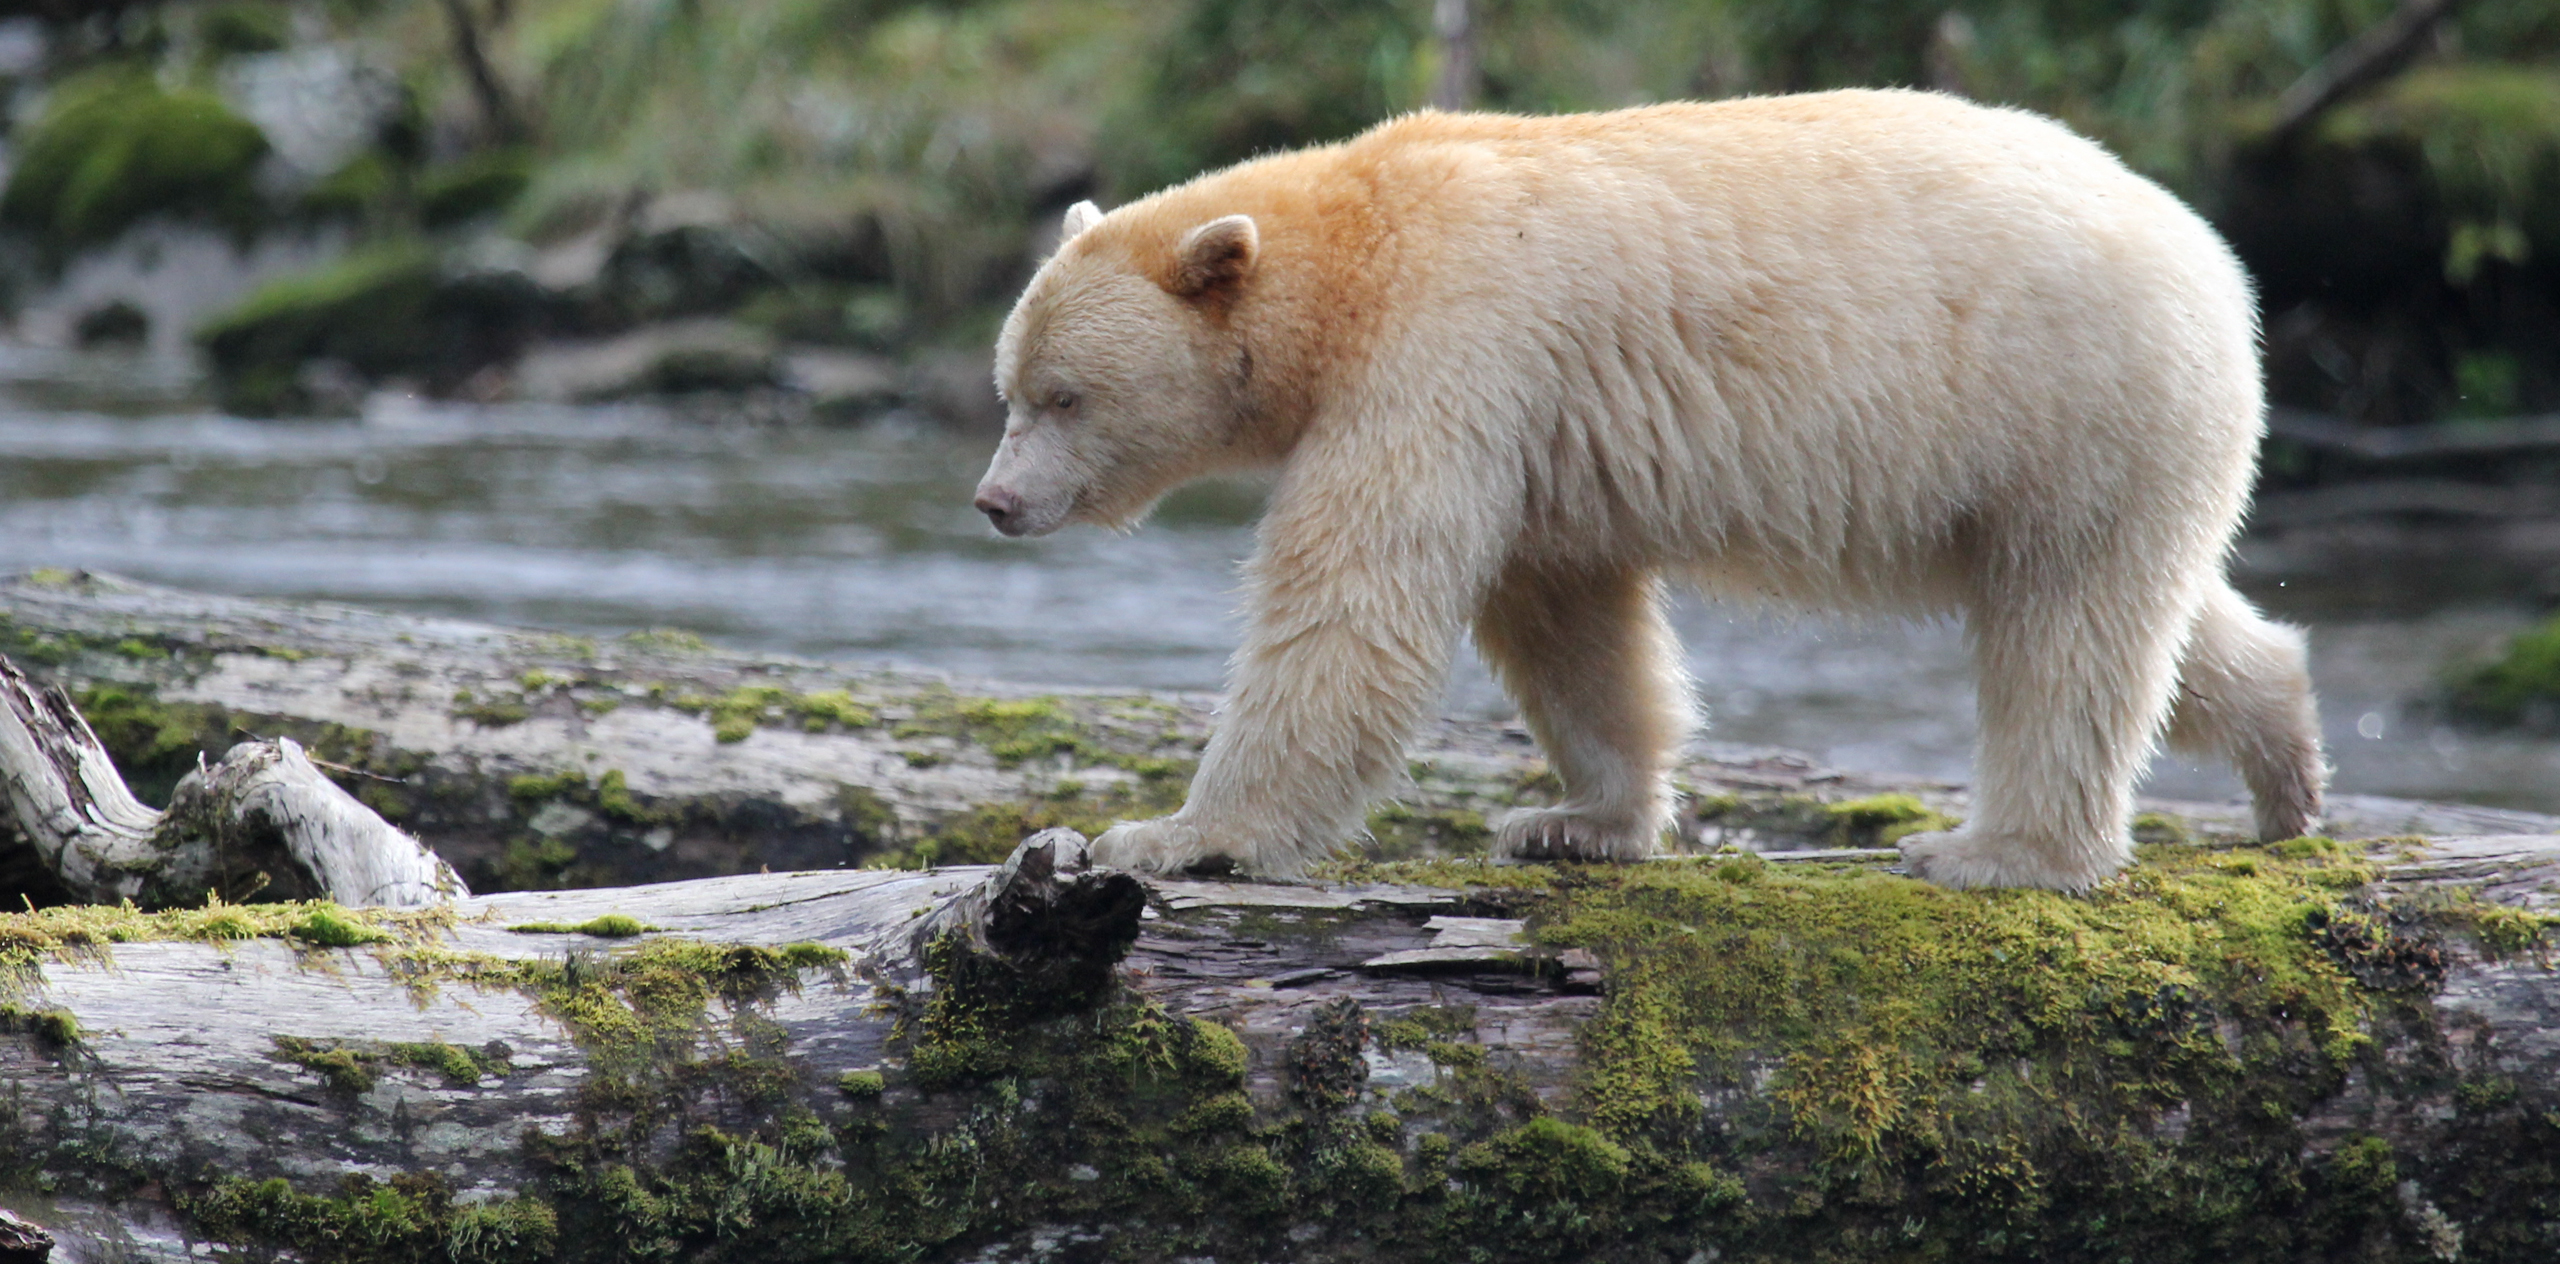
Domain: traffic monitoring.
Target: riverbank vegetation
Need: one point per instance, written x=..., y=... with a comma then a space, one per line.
x=877, y=177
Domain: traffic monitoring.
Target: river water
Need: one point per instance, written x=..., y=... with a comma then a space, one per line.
x=859, y=543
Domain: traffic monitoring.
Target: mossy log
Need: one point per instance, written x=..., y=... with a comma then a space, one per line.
x=533, y=760
x=2310, y=1052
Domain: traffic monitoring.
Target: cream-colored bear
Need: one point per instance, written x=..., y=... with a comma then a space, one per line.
x=1854, y=351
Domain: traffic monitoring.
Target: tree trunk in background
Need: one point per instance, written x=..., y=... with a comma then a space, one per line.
x=497, y=109
x=2381, y=52
x=1453, y=24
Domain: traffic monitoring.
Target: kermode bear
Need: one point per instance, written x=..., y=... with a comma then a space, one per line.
x=1851, y=351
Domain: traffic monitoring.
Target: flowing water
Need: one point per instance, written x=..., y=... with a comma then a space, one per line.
x=859, y=543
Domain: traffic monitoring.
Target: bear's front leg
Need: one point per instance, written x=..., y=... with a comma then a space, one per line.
x=1364, y=573
x=1313, y=728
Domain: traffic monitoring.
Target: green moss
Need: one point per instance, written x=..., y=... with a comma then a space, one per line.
x=1547, y=1160
x=2519, y=687
x=536, y=786
x=1882, y=820
x=2488, y=137
x=1400, y=832
x=1902, y=1073
x=154, y=743
x=735, y=715
x=494, y=712
x=667, y=641
x=987, y=833
x=1456, y=873
x=345, y=1069
x=1012, y=730
x=831, y=708
x=615, y=800
x=2160, y=827
x=56, y=1027
x=356, y=1066
x=329, y=926
x=1708, y=807
x=113, y=146
x=608, y=926
x=410, y=1217
x=366, y=310
x=539, y=864
x=478, y=185
x=74, y=931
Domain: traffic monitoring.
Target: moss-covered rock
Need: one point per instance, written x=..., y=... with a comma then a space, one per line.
x=2520, y=687
x=113, y=146
x=389, y=310
x=2488, y=137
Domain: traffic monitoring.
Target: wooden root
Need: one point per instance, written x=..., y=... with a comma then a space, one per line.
x=262, y=820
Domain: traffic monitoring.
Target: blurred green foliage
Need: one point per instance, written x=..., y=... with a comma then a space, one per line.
x=113, y=146
x=903, y=156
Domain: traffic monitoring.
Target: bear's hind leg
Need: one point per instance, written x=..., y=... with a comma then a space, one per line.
x=2074, y=680
x=2244, y=695
x=1598, y=676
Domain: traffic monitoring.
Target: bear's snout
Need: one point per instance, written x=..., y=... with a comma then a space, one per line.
x=1002, y=508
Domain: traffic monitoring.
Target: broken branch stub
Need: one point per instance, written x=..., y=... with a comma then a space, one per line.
x=1047, y=915
x=262, y=818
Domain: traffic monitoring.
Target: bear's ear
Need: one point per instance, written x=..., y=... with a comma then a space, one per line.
x=1081, y=216
x=1218, y=253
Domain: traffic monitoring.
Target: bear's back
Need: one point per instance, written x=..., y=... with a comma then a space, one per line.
x=1813, y=328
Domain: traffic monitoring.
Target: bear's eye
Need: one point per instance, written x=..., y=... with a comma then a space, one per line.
x=1063, y=401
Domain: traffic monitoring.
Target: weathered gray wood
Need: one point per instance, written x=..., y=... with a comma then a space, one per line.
x=178, y=1071
x=483, y=790
x=263, y=802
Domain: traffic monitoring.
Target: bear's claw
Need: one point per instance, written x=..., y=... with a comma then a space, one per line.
x=1162, y=845
x=1566, y=834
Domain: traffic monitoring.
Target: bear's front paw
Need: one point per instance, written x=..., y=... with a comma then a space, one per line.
x=1960, y=859
x=1163, y=845
x=1567, y=834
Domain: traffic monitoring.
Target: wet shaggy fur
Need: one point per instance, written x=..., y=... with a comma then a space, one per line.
x=1851, y=351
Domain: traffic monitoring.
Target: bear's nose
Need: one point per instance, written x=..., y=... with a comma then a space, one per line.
x=998, y=505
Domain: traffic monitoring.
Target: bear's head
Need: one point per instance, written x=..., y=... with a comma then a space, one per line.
x=1123, y=371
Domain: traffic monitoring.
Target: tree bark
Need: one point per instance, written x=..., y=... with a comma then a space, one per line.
x=1453, y=24
x=2376, y=55
x=497, y=109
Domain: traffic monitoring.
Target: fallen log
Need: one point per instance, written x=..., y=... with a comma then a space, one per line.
x=1773, y=1048
x=2307, y=1052
x=529, y=759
